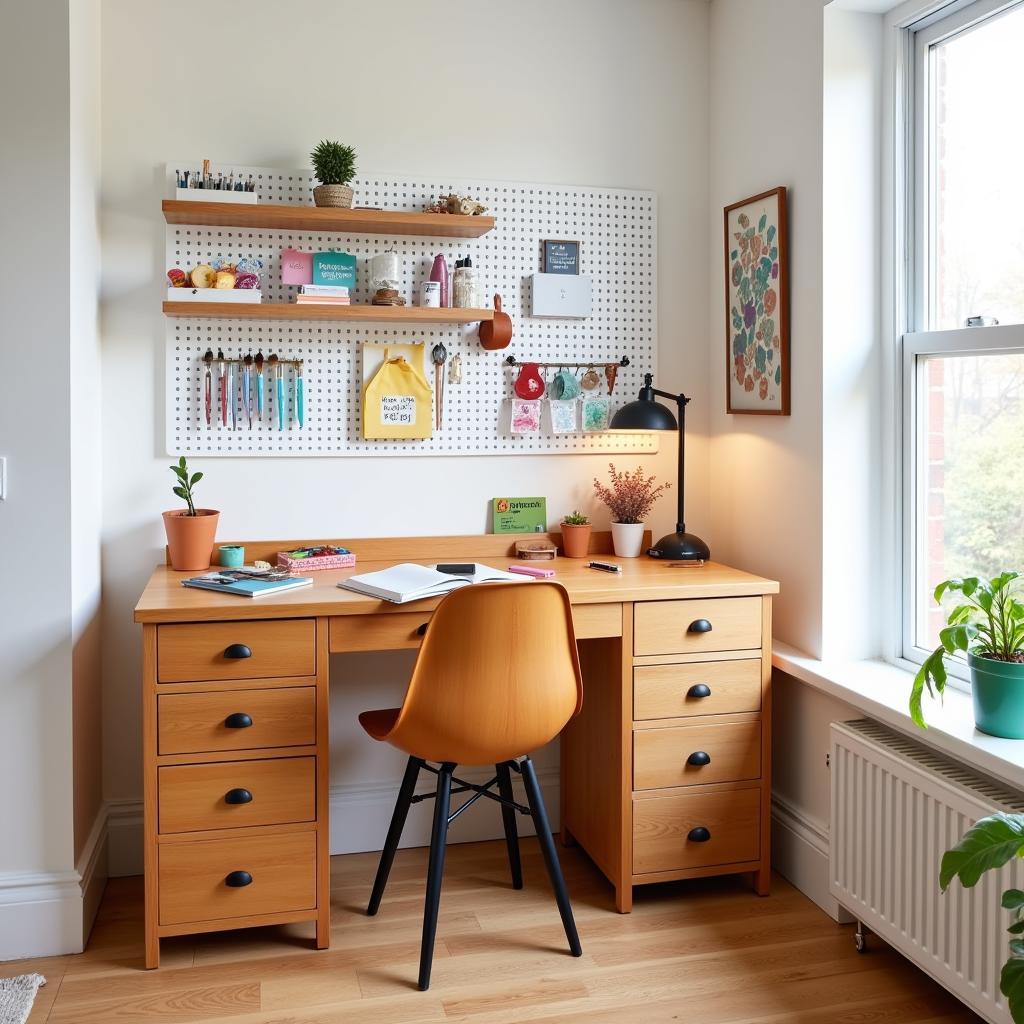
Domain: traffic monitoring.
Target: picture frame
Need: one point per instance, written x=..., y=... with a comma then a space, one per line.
x=560, y=256
x=756, y=249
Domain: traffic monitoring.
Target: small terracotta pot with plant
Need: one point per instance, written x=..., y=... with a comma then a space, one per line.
x=576, y=535
x=190, y=531
x=334, y=166
x=630, y=500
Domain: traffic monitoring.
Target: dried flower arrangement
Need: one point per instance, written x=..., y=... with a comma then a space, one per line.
x=631, y=495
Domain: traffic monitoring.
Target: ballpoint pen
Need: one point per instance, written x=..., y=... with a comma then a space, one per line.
x=259, y=383
x=246, y=386
x=222, y=382
x=208, y=386
x=300, y=395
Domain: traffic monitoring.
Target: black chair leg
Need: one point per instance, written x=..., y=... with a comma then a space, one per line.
x=435, y=871
x=547, y=846
x=508, y=817
x=401, y=812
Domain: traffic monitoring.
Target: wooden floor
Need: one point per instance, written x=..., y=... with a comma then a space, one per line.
x=703, y=952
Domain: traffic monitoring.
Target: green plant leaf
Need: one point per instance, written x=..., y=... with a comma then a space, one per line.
x=1012, y=899
x=1011, y=984
x=181, y=462
x=1017, y=947
x=960, y=614
x=931, y=669
x=196, y=477
x=181, y=493
x=987, y=844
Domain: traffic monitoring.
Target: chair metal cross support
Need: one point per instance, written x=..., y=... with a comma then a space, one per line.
x=461, y=786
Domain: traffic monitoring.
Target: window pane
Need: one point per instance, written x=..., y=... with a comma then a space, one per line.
x=970, y=460
x=977, y=212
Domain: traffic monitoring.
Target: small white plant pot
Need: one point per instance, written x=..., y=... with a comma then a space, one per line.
x=627, y=539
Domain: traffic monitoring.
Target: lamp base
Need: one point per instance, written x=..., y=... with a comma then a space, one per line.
x=682, y=547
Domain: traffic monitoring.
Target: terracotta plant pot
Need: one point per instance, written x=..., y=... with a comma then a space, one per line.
x=190, y=538
x=575, y=540
x=333, y=195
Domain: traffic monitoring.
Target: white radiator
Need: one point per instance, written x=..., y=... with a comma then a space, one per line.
x=896, y=808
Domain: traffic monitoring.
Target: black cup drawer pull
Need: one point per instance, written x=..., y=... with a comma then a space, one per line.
x=698, y=835
x=422, y=629
x=238, y=880
x=699, y=758
x=699, y=690
x=241, y=651
x=699, y=626
x=239, y=720
x=238, y=796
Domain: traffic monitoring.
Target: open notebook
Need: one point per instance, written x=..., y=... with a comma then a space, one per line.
x=409, y=582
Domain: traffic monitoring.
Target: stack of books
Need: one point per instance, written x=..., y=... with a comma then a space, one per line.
x=324, y=294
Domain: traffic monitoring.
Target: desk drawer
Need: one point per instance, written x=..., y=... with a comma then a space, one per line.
x=672, y=757
x=193, y=877
x=198, y=651
x=192, y=723
x=381, y=632
x=696, y=830
x=696, y=688
x=596, y=620
x=198, y=797
x=681, y=627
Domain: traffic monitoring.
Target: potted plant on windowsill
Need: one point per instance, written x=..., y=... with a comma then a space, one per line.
x=190, y=531
x=576, y=535
x=334, y=166
x=630, y=499
x=987, y=625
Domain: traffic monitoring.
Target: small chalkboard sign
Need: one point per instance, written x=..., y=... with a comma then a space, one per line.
x=561, y=256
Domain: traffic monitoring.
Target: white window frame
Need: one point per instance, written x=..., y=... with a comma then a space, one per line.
x=907, y=293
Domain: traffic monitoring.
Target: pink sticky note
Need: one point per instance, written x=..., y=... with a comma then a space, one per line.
x=296, y=267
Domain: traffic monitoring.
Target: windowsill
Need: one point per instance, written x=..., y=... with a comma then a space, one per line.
x=880, y=690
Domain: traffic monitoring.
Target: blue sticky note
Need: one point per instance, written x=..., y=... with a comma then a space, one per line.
x=337, y=268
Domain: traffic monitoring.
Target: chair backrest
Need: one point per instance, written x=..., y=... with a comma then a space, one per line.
x=497, y=675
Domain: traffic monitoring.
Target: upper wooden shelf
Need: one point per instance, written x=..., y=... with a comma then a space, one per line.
x=312, y=311
x=277, y=217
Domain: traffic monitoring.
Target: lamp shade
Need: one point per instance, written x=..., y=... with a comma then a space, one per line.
x=644, y=414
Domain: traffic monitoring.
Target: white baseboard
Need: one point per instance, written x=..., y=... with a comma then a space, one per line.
x=360, y=815
x=800, y=847
x=92, y=868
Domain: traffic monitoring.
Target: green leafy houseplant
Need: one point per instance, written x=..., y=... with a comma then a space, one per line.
x=333, y=163
x=986, y=623
x=335, y=166
x=183, y=488
x=190, y=531
x=576, y=535
x=986, y=846
x=576, y=518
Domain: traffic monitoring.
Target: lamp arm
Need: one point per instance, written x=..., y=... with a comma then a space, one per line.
x=682, y=402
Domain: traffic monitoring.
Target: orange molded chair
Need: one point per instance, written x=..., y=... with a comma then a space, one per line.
x=497, y=675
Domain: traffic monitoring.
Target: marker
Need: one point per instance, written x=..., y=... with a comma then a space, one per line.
x=528, y=570
x=605, y=566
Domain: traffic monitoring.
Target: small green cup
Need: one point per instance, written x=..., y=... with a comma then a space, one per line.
x=232, y=556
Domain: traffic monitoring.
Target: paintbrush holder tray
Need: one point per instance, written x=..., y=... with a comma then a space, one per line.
x=243, y=295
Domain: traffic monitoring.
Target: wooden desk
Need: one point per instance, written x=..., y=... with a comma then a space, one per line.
x=235, y=729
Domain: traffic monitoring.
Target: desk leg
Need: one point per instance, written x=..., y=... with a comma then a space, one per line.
x=624, y=898
x=151, y=853
x=323, y=778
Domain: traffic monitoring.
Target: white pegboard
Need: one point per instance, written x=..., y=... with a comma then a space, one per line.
x=618, y=246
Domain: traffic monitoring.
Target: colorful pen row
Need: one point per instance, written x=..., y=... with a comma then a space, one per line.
x=241, y=383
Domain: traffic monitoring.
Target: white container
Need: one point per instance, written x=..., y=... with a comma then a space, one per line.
x=237, y=295
x=627, y=539
x=214, y=195
x=384, y=270
x=465, y=288
x=430, y=295
x=563, y=295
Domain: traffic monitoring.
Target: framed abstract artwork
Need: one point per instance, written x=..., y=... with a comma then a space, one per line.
x=757, y=305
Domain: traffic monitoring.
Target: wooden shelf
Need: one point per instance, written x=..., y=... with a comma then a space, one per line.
x=277, y=217
x=295, y=311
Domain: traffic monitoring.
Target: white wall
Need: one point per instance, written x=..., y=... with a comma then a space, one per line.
x=796, y=498
x=47, y=597
x=575, y=92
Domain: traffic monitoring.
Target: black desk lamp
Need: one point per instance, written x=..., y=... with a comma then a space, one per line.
x=645, y=414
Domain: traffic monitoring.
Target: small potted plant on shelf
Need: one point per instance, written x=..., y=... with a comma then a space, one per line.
x=576, y=535
x=190, y=531
x=986, y=622
x=334, y=166
x=987, y=845
x=630, y=499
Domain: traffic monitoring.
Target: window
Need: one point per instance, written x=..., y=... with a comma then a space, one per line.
x=963, y=387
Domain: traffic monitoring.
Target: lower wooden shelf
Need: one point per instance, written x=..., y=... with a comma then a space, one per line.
x=310, y=311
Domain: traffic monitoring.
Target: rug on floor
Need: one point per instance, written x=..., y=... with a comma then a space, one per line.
x=17, y=996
